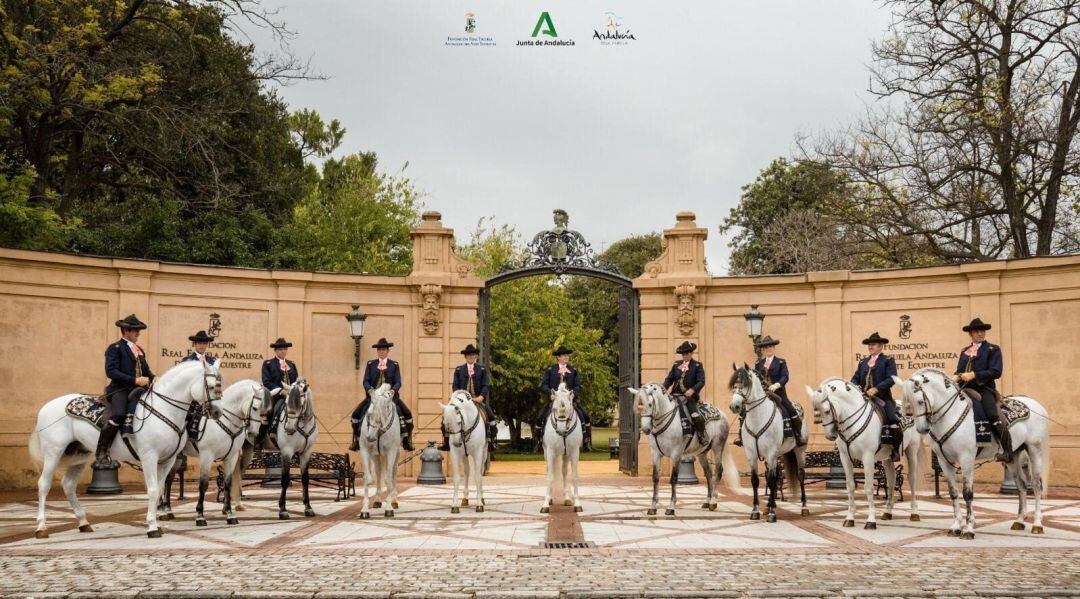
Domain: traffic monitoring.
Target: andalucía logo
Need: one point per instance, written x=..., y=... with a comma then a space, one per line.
x=545, y=27
x=614, y=34
x=471, y=37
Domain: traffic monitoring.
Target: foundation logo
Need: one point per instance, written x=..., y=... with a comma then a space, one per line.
x=905, y=327
x=214, y=328
x=544, y=29
x=471, y=37
x=613, y=33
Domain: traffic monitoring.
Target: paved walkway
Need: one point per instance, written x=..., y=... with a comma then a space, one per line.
x=424, y=549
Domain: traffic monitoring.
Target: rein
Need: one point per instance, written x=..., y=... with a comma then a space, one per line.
x=573, y=420
x=663, y=423
x=941, y=412
x=175, y=403
x=379, y=432
x=842, y=426
x=746, y=409
x=465, y=433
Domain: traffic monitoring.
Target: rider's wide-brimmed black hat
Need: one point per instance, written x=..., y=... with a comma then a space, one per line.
x=562, y=351
x=469, y=350
x=131, y=322
x=767, y=341
x=686, y=348
x=382, y=343
x=977, y=325
x=280, y=343
x=875, y=338
x=200, y=337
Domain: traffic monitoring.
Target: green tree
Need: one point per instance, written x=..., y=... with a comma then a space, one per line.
x=355, y=220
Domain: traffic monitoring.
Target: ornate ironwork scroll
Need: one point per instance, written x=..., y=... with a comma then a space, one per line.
x=559, y=249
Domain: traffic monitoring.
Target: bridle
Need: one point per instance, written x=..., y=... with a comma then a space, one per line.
x=570, y=424
x=661, y=423
x=747, y=407
x=464, y=431
x=390, y=421
x=177, y=404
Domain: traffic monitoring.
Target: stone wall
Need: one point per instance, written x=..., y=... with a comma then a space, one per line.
x=57, y=314
x=821, y=318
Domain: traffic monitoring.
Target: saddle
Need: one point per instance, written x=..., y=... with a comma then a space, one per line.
x=90, y=408
x=707, y=411
x=1011, y=410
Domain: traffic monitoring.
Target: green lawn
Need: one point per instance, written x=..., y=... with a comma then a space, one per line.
x=600, y=449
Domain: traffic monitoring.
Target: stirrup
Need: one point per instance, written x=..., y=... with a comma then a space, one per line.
x=738, y=441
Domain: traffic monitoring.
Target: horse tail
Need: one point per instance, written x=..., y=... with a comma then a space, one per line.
x=791, y=470
x=731, y=471
x=36, y=454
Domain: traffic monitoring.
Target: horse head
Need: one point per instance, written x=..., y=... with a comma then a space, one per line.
x=824, y=412
x=206, y=389
x=381, y=412
x=645, y=401
x=563, y=404
x=744, y=385
x=297, y=404
x=925, y=389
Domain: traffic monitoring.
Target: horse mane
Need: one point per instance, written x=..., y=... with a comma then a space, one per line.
x=932, y=369
x=178, y=370
x=741, y=378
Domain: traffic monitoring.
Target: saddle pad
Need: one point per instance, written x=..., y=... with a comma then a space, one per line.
x=1014, y=410
x=709, y=412
x=788, y=431
x=88, y=408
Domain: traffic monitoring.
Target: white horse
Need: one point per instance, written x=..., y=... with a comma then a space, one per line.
x=380, y=443
x=562, y=442
x=468, y=443
x=945, y=413
x=222, y=438
x=763, y=439
x=63, y=441
x=851, y=422
x=296, y=432
x=662, y=426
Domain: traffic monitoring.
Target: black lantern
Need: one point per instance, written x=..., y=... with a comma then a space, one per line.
x=754, y=321
x=356, y=320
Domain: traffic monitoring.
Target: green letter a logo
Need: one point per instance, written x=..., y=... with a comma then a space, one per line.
x=550, y=30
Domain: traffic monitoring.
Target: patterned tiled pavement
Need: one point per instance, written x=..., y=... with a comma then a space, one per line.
x=424, y=549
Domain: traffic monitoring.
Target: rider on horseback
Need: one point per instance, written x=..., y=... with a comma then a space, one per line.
x=686, y=379
x=874, y=376
x=979, y=365
x=129, y=377
x=201, y=342
x=774, y=372
x=383, y=371
x=473, y=377
x=276, y=372
x=556, y=374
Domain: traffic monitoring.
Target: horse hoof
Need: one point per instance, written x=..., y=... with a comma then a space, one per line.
x=886, y=516
x=239, y=508
x=154, y=534
x=1017, y=526
x=578, y=508
x=870, y=526
x=953, y=533
x=705, y=505
x=377, y=505
x=464, y=503
x=669, y=512
x=283, y=515
x=233, y=521
x=805, y=511
x=712, y=507
x=849, y=524
x=84, y=528
x=567, y=502
x=755, y=515
x=545, y=510
x=479, y=509
x=310, y=513
x=551, y=502
x=393, y=504
x=1036, y=530
x=772, y=518
x=168, y=516
x=200, y=522
x=967, y=536
x=915, y=518
x=388, y=514
x=455, y=510
x=651, y=512
x=41, y=534
x=365, y=515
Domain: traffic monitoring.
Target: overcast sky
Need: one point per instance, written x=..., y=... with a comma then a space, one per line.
x=622, y=137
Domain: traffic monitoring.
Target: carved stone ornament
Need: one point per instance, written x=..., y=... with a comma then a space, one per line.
x=429, y=314
x=685, y=318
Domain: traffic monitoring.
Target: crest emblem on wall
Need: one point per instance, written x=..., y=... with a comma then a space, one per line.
x=214, y=328
x=905, y=327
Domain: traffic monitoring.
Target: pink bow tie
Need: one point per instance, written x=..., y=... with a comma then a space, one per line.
x=768, y=362
x=284, y=365
x=382, y=364
x=135, y=349
x=972, y=351
x=685, y=366
x=470, y=368
x=563, y=369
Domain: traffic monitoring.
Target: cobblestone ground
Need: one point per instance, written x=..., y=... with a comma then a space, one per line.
x=425, y=551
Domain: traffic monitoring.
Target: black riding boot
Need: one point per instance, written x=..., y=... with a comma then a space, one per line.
x=492, y=433
x=897, y=437
x=586, y=437
x=445, y=446
x=355, y=445
x=738, y=440
x=699, y=426
x=406, y=435
x=105, y=441
x=1001, y=431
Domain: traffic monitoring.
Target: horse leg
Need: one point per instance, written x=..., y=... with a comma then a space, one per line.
x=577, y=493
x=969, y=497
x=467, y=467
x=478, y=467
x=165, y=503
x=565, y=469
x=655, y=484
x=305, y=479
x=391, y=483
x=227, y=509
x=1018, y=474
x=800, y=460
x=913, y=479
x=771, y=476
x=369, y=465
x=286, y=475
x=670, y=511
x=70, y=484
x=455, y=468
x=152, y=474
x=238, y=477
x=868, y=488
x=204, y=483
x=954, y=495
x=849, y=486
x=549, y=457
x=718, y=456
x=51, y=461
x=890, y=489
x=703, y=459
x=755, y=512
x=1035, y=464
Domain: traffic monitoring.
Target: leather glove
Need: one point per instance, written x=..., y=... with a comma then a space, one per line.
x=968, y=376
x=773, y=387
